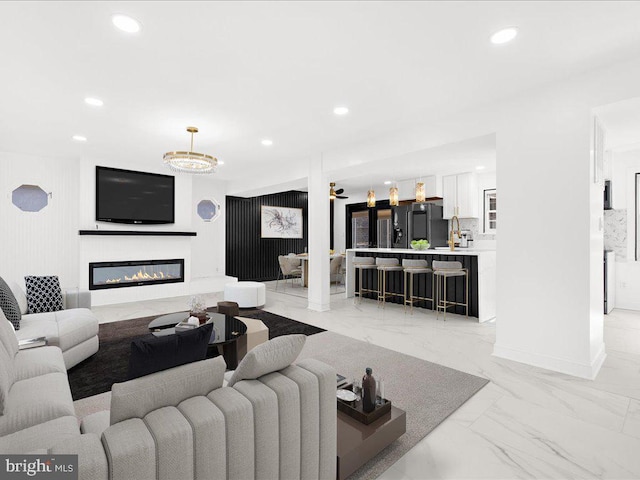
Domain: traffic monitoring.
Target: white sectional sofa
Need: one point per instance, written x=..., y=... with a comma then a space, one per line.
x=74, y=329
x=35, y=400
x=275, y=420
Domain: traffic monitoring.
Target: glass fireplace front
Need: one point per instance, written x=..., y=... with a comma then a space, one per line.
x=135, y=273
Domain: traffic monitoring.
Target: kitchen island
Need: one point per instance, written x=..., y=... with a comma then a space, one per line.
x=482, y=276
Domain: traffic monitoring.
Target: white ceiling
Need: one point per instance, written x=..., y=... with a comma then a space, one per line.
x=244, y=71
x=445, y=160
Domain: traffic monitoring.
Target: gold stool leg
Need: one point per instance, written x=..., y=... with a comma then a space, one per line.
x=437, y=286
x=466, y=298
x=411, y=291
x=433, y=289
x=445, y=297
x=404, y=285
x=384, y=289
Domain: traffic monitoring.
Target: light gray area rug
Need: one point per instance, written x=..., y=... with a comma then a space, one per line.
x=428, y=392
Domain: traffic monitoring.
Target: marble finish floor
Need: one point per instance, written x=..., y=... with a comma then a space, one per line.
x=527, y=423
x=296, y=289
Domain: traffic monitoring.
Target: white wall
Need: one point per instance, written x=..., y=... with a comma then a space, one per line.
x=208, y=247
x=549, y=299
x=624, y=168
x=47, y=242
x=546, y=294
x=44, y=242
x=550, y=292
x=121, y=248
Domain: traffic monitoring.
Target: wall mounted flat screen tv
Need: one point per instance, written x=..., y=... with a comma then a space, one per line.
x=126, y=196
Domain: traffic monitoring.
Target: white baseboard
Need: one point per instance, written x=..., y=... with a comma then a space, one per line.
x=155, y=292
x=214, y=283
x=627, y=304
x=319, y=307
x=588, y=371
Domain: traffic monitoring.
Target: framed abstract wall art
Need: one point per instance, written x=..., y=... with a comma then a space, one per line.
x=281, y=222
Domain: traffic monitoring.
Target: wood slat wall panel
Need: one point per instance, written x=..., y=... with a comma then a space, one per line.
x=248, y=256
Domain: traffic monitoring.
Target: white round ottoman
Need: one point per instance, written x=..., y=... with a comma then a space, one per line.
x=245, y=294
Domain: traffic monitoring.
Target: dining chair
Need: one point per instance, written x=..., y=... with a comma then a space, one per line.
x=335, y=271
x=289, y=269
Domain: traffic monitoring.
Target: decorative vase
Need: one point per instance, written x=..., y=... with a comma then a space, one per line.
x=200, y=315
x=368, y=392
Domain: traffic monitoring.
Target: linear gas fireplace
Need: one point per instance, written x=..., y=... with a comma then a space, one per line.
x=135, y=273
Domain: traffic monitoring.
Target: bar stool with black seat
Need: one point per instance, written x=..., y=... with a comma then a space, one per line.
x=412, y=268
x=445, y=270
x=360, y=264
x=385, y=266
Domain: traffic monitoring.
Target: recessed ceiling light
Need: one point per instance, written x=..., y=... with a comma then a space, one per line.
x=125, y=23
x=266, y=142
x=220, y=162
x=504, y=36
x=79, y=138
x=94, y=102
x=480, y=167
x=387, y=182
x=341, y=110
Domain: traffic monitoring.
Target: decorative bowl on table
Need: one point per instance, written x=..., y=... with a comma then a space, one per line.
x=346, y=395
x=420, y=244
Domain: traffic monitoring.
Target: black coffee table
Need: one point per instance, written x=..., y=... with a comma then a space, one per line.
x=226, y=331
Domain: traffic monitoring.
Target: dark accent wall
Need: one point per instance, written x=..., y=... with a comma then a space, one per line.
x=248, y=256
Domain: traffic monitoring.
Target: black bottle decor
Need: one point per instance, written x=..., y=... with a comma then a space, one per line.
x=368, y=392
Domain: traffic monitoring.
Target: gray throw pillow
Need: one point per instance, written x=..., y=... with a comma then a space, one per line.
x=43, y=294
x=8, y=337
x=268, y=357
x=9, y=305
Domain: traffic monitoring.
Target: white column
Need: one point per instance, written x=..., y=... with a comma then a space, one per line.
x=318, y=236
x=550, y=270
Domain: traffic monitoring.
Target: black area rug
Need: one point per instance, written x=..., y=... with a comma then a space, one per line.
x=111, y=364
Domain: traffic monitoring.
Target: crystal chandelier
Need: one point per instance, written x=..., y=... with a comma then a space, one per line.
x=190, y=162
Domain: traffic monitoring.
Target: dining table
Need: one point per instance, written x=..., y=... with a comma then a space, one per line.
x=304, y=264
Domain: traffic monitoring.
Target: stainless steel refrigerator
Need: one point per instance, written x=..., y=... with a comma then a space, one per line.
x=424, y=221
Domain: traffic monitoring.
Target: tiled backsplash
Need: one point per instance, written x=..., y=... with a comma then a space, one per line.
x=473, y=225
x=615, y=232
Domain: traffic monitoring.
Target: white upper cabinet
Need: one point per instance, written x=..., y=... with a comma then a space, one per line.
x=460, y=195
x=449, y=195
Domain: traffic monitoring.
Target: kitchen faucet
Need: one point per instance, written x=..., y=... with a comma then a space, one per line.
x=451, y=241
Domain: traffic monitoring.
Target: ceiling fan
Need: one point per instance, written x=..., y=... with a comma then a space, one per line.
x=333, y=194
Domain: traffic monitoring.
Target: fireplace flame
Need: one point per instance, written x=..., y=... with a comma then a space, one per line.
x=145, y=276
x=140, y=276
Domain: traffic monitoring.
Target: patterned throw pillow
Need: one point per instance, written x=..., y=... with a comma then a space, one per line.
x=43, y=294
x=9, y=305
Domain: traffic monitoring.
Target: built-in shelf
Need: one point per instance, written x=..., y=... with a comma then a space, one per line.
x=137, y=233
